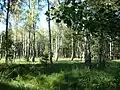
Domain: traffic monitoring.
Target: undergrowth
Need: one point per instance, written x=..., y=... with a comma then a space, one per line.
x=60, y=77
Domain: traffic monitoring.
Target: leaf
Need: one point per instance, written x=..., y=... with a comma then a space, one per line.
x=102, y=10
x=62, y=17
x=58, y=20
x=52, y=8
x=53, y=18
x=47, y=13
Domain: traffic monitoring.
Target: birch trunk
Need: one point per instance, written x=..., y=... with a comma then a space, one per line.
x=73, y=48
x=87, y=49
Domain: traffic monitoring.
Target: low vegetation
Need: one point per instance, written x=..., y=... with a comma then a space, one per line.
x=60, y=76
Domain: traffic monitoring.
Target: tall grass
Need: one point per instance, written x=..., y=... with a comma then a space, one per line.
x=60, y=76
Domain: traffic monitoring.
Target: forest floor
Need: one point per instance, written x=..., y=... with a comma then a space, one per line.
x=37, y=60
x=62, y=75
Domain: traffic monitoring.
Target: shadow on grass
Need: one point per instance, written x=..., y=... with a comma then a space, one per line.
x=12, y=71
x=5, y=86
x=36, y=69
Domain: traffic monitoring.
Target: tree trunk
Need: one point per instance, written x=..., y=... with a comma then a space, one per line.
x=7, y=22
x=28, y=56
x=34, y=51
x=1, y=45
x=23, y=44
x=57, y=48
x=101, y=61
x=73, y=47
x=50, y=48
x=110, y=50
x=59, y=2
x=15, y=48
x=83, y=52
x=22, y=50
x=87, y=50
x=79, y=53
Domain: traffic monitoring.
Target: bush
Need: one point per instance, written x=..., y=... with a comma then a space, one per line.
x=86, y=80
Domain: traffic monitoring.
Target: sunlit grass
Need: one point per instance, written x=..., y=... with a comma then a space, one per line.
x=117, y=60
x=64, y=80
x=37, y=61
x=62, y=75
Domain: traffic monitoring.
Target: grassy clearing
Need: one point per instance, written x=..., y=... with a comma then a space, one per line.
x=62, y=75
x=37, y=60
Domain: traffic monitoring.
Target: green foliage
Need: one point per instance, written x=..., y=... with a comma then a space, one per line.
x=94, y=19
x=80, y=79
x=32, y=78
x=101, y=23
x=9, y=43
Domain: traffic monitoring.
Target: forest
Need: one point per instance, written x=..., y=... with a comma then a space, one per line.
x=78, y=49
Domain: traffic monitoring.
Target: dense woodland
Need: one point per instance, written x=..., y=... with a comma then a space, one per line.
x=79, y=50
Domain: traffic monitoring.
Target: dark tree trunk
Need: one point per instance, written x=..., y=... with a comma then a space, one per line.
x=101, y=61
x=1, y=46
x=34, y=51
x=28, y=56
x=59, y=2
x=50, y=46
x=7, y=21
x=26, y=53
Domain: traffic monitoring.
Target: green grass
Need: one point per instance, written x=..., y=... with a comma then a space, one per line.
x=37, y=60
x=62, y=75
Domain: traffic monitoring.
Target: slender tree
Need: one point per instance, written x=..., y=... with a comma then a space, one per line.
x=49, y=28
x=7, y=22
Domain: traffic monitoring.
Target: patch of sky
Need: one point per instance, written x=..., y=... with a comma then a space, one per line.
x=41, y=22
